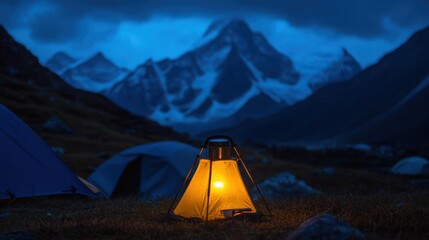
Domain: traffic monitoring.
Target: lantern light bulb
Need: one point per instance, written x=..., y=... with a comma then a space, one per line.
x=218, y=184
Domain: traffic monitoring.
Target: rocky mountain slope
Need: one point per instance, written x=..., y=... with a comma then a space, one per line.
x=83, y=127
x=384, y=104
x=95, y=74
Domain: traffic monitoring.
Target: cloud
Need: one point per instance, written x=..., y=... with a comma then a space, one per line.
x=52, y=20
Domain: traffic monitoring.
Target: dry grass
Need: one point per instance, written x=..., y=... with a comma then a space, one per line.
x=381, y=205
x=379, y=216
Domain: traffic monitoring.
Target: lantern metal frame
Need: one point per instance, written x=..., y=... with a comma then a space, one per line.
x=198, y=157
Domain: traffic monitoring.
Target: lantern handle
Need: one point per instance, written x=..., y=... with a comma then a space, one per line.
x=218, y=137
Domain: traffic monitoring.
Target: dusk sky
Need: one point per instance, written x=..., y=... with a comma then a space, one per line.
x=131, y=31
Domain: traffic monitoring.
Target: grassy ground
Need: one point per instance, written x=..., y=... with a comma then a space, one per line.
x=379, y=216
x=360, y=191
x=381, y=205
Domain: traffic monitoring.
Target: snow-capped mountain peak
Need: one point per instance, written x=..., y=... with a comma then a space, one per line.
x=101, y=63
x=96, y=73
x=344, y=68
x=230, y=68
x=59, y=61
x=225, y=31
x=231, y=74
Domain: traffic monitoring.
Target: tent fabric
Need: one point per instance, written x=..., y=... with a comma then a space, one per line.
x=149, y=171
x=228, y=193
x=28, y=167
x=411, y=166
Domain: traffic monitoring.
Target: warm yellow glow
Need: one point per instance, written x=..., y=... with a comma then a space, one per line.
x=218, y=184
x=227, y=191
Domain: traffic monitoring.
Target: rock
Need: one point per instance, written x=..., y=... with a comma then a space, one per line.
x=411, y=166
x=284, y=185
x=58, y=150
x=56, y=125
x=326, y=227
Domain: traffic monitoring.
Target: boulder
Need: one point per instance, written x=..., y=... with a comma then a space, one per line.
x=326, y=227
x=282, y=186
x=411, y=166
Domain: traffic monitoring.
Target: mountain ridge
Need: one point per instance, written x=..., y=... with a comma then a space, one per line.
x=95, y=73
x=332, y=113
x=203, y=75
x=229, y=68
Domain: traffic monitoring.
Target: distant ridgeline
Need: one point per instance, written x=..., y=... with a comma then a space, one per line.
x=387, y=103
x=230, y=75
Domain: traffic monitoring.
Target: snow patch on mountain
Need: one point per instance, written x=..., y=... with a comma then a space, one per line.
x=312, y=63
x=422, y=85
x=279, y=91
x=341, y=69
x=211, y=33
x=223, y=110
x=205, y=83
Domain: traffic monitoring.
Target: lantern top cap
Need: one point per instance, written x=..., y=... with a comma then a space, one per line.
x=219, y=140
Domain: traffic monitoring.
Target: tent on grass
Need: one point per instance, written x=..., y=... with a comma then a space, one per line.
x=28, y=167
x=148, y=171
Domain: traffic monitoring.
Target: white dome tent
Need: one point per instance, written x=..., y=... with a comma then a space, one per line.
x=411, y=166
x=148, y=171
x=28, y=167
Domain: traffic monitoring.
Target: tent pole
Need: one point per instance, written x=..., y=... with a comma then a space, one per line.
x=208, y=191
x=251, y=179
x=186, y=179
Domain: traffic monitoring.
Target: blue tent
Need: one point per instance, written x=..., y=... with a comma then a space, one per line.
x=148, y=171
x=28, y=167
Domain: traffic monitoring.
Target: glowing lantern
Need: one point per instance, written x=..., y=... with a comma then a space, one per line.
x=216, y=189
